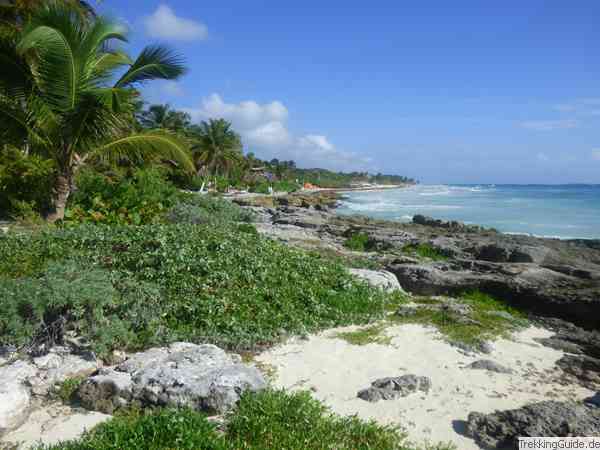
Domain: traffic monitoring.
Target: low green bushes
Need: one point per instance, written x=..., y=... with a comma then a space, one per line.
x=358, y=242
x=426, y=251
x=131, y=287
x=268, y=420
x=142, y=198
x=25, y=182
x=201, y=209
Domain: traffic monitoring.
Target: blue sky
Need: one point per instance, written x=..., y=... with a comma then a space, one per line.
x=447, y=92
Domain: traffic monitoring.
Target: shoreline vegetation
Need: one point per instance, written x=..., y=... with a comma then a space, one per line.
x=145, y=308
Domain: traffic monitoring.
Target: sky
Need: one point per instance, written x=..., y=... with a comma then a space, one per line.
x=445, y=92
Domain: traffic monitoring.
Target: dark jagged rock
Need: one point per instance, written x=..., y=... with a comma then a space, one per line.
x=527, y=286
x=594, y=400
x=419, y=219
x=585, y=369
x=501, y=429
x=394, y=387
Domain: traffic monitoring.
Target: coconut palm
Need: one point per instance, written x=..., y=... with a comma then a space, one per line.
x=67, y=92
x=216, y=146
x=15, y=13
x=163, y=116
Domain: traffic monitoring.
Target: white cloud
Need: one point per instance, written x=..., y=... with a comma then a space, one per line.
x=172, y=89
x=265, y=132
x=549, y=125
x=596, y=154
x=164, y=24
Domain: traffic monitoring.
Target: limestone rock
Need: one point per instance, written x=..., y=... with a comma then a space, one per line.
x=550, y=419
x=15, y=398
x=391, y=388
x=378, y=278
x=202, y=377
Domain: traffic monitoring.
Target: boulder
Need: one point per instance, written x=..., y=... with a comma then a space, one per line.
x=202, y=377
x=391, y=388
x=594, y=400
x=501, y=429
x=378, y=278
x=491, y=366
x=585, y=369
x=15, y=397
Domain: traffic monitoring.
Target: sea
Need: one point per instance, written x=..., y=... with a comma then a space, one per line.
x=559, y=211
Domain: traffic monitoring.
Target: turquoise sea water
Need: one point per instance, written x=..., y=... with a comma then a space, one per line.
x=566, y=211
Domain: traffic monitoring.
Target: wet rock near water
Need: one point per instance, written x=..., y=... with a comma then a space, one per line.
x=501, y=429
x=202, y=377
x=392, y=388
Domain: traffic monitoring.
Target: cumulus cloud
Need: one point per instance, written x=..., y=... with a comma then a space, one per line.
x=596, y=154
x=265, y=132
x=164, y=24
x=549, y=125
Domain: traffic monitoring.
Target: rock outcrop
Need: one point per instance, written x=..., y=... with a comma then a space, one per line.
x=392, y=388
x=501, y=429
x=378, y=278
x=24, y=380
x=202, y=377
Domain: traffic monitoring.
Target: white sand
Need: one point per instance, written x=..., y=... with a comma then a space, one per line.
x=335, y=371
x=52, y=424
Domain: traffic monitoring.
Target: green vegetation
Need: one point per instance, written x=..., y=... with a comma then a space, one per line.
x=486, y=323
x=130, y=287
x=424, y=251
x=373, y=334
x=57, y=97
x=268, y=420
x=358, y=242
x=67, y=388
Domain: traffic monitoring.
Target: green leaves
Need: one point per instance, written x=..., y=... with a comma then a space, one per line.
x=154, y=62
x=218, y=284
x=145, y=145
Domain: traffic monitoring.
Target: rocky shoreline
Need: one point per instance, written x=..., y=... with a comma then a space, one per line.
x=556, y=283
x=541, y=380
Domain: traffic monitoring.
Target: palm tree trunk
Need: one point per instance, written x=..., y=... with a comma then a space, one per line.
x=60, y=196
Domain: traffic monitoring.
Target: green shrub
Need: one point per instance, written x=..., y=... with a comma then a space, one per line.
x=268, y=420
x=67, y=389
x=212, y=284
x=139, y=199
x=261, y=187
x=199, y=209
x=25, y=183
x=162, y=430
x=107, y=311
x=358, y=242
x=276, y=419
x=425, y=251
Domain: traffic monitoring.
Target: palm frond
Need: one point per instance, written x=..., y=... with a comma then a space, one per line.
x=154, y=62
x=139, y=147
x=57, y=71
x=17, y=124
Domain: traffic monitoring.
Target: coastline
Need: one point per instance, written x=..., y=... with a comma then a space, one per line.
x=564, y=212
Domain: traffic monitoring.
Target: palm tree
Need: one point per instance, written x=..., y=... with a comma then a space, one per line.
x=217, y=147
x=15, y=13
x=59, y=97
x=164, y=117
